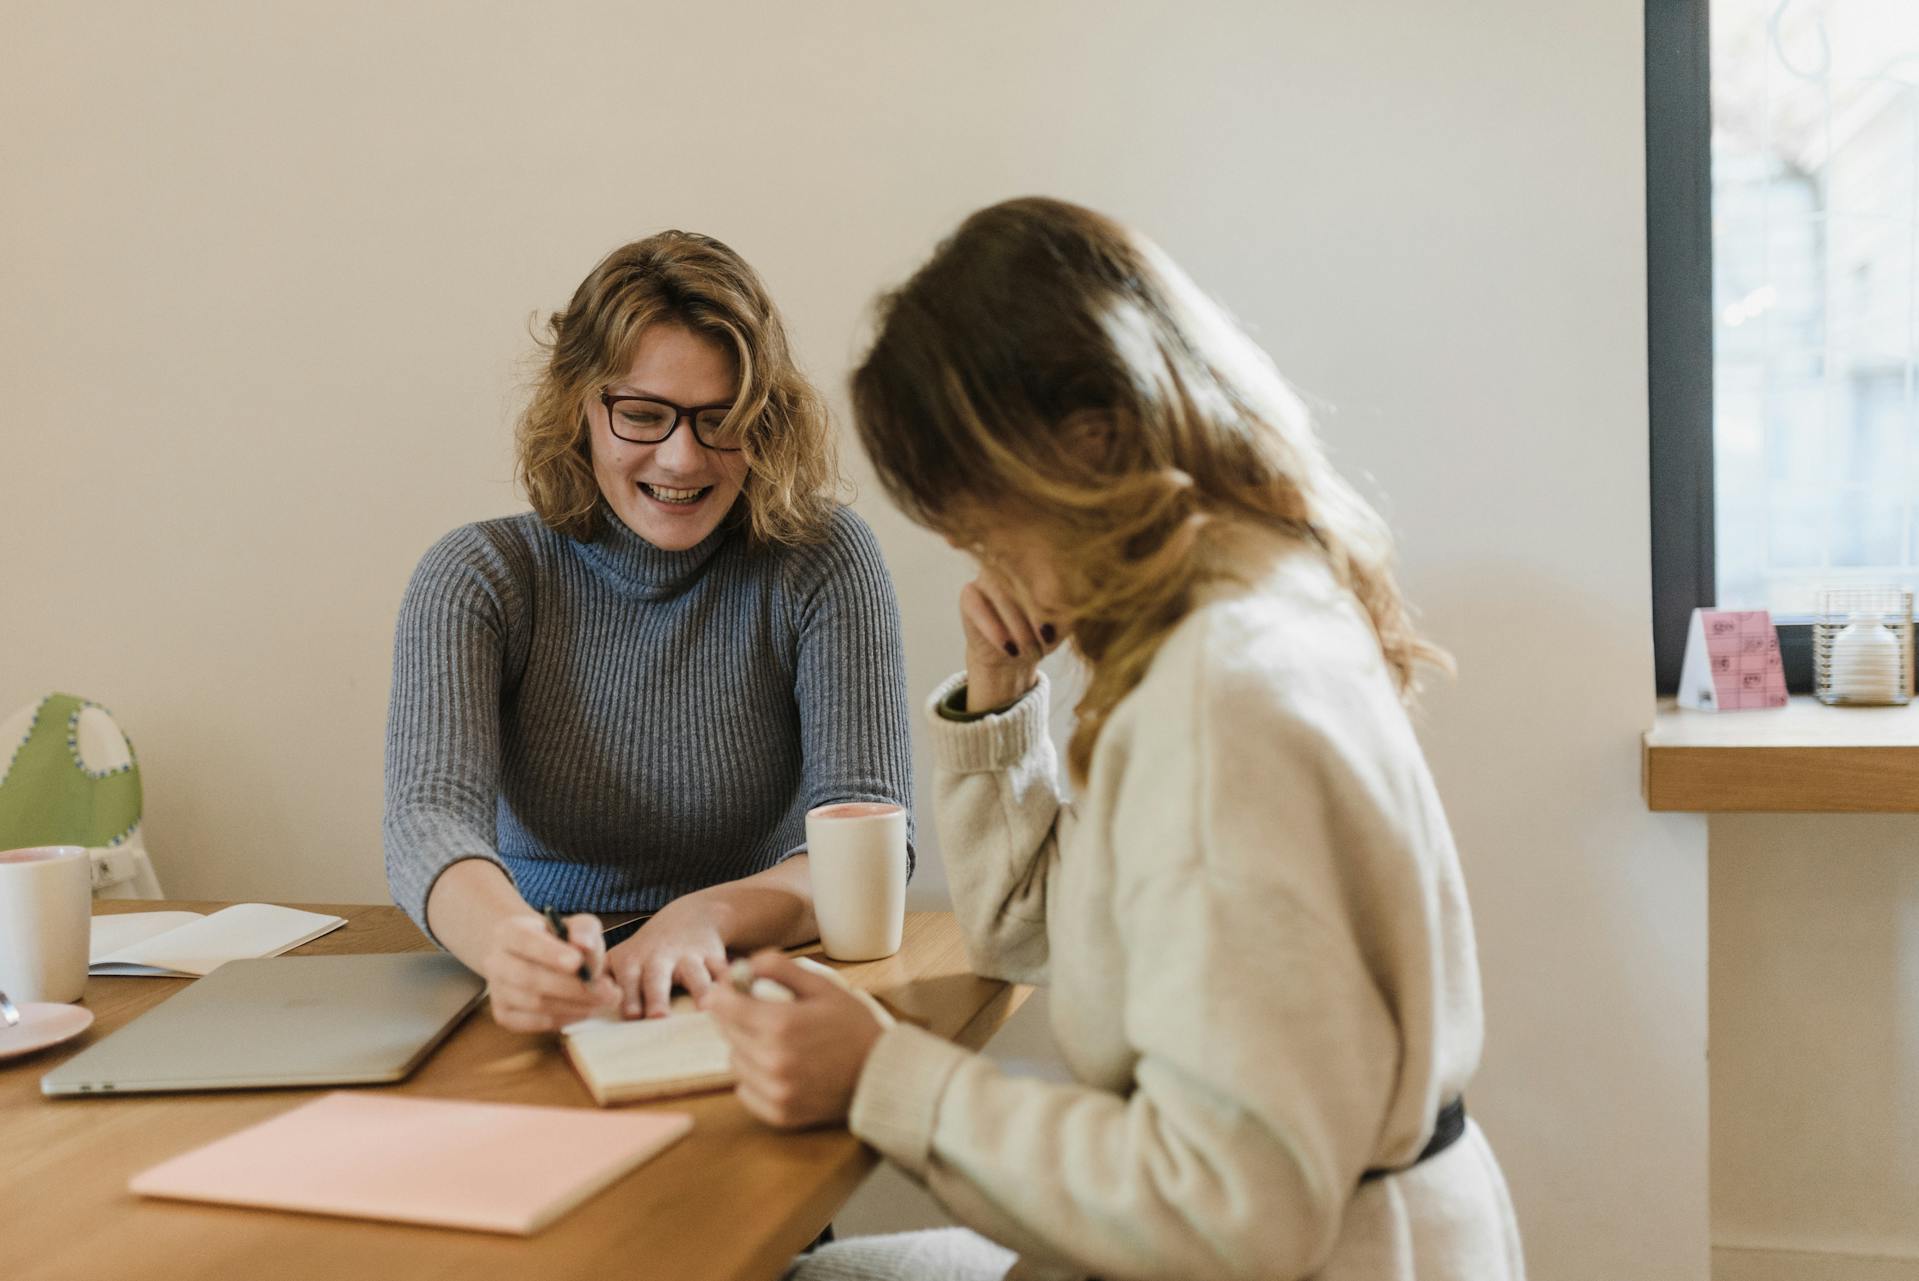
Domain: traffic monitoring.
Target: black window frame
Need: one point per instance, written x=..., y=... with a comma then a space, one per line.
x=1679, y=343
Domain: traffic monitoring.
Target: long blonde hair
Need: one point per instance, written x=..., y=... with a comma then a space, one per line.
x=1051, y=363
x=678, y=277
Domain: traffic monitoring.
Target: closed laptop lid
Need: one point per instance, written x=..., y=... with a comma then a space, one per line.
x=282, y=1021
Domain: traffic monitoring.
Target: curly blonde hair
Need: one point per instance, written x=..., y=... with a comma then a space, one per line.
x=1039, y=326
x=678, y=277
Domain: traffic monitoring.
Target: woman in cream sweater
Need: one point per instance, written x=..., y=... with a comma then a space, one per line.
x=1251, y=915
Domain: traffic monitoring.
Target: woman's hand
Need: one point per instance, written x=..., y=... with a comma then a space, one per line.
x=798, y=1062
x=533, y=979
x=1004, y=641
x=682, y=944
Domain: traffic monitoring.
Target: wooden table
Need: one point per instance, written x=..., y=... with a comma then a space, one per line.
x=733, y=1199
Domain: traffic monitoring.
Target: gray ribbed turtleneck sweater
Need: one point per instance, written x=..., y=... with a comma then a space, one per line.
x=617, y=725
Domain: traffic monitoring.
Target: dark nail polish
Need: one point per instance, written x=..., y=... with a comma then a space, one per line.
x=1012, y=650
x=1046, y=633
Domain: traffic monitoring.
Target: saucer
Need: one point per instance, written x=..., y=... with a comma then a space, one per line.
x=43, y=1023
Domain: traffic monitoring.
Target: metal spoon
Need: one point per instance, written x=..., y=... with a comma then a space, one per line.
x=9, y=1011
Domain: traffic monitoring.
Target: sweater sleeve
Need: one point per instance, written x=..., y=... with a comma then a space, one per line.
x=850, y=679
x=1264, y=1054
x=443, y=720
x=1000, y=816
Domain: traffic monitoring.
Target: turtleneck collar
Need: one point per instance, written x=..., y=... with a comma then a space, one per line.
x=638, y=567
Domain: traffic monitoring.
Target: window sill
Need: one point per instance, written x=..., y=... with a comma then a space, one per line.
x=1805, y=758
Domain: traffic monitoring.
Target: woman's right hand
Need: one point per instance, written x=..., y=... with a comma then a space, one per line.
x=1004, y=642
x=533, y=979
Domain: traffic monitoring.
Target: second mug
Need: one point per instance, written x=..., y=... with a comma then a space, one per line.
x=856, y=851
x=46, y=922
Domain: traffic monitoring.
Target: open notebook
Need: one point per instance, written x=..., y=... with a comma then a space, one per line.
x=632, y=1060
x=189, y=945
x=491, y=1167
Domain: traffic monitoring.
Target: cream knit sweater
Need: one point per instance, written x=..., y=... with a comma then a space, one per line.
x=1262, y=966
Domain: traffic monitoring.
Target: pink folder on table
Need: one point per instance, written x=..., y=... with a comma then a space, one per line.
x=491, y=1167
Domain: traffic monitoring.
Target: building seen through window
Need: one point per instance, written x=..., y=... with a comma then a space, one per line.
x=1815, y=222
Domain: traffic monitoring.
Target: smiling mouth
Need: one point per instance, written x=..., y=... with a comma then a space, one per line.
x=675, y=497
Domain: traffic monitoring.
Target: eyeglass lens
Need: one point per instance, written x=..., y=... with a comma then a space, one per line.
x=651, y=421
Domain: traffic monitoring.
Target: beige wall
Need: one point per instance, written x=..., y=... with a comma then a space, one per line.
x=1815, y=1047
x=267, y=275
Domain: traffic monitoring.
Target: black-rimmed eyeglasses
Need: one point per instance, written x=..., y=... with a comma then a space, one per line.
x=648, y=420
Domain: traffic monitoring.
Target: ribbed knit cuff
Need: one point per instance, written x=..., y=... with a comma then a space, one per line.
x=992, y=742
x=426, y=894
x=897, y=1099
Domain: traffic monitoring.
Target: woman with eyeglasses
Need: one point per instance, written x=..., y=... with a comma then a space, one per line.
x=625, y=700
x=1251, y=916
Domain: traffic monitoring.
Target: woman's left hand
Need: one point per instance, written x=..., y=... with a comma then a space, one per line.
x=681, y=945
x=799, y=1061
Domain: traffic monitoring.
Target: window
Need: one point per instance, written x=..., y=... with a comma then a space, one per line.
x=1782, y=224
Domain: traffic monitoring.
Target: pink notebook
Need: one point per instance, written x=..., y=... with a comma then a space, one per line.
x=491, y=1167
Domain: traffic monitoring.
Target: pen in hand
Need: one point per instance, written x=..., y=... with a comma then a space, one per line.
x=740, y=974
x=558, y=927
x=741, y=979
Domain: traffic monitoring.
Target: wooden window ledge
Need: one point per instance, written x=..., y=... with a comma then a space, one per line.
x=1803, y=758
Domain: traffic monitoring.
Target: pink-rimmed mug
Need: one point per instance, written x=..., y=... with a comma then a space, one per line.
x=856, y=853
x=46, y=922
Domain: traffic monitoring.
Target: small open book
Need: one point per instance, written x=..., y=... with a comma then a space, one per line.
x=632, y=1060
x=189, y=945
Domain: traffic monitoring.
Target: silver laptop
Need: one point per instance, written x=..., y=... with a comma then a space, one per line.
x=282, y=1021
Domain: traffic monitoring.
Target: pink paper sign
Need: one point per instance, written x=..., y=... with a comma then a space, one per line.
x=1742, y=655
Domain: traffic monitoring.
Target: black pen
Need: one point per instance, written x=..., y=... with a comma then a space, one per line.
x=554, y=923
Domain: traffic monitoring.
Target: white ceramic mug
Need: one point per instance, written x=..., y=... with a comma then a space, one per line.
x=46, y=922
x=856, y=852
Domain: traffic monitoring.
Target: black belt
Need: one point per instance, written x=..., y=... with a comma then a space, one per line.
x=1447, y=1127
